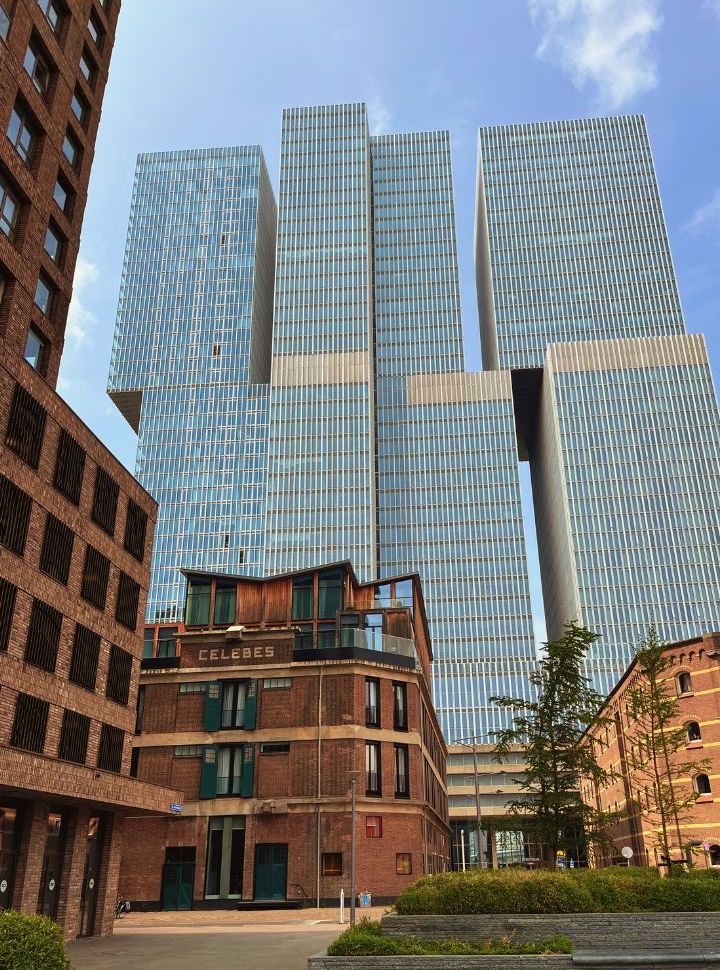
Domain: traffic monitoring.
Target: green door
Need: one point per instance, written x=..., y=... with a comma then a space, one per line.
x=178, y=878
x=270, y=871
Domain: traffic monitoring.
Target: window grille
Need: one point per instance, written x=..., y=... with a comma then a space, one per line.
x=105, y=501
x=69, y=467
x=85, y=653
x=8, y=594
x=128, y=597
x=43, y=636
x=26, y=426
x=135, y=529
x=119, y=672
x=57, y=547
x=96, y=575
x=15, y=508
x=30, y=723
x=74, y=737
x=111, y=748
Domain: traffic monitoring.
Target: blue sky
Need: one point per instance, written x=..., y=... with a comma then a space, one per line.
x=192, y=73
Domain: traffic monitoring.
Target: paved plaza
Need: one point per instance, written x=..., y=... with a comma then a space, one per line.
x=267, y=940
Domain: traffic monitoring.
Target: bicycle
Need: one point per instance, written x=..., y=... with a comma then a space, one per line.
x=122, y=907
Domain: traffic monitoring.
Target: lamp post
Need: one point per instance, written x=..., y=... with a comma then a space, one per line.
x=353, y=890
x=471, y=743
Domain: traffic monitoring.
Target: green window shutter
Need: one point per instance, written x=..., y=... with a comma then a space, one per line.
x=251, y=705
x=213, y=700
x=208, y=772
x=246, y=775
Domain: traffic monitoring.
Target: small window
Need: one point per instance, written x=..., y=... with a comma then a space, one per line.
x=372, y=768
x=9, y=209
x=54, y=14
x=148, y=642
x=26, y=427
x=167, y=641
x=400, y=721
x=30, y=723
x=404, y=593
x=15, y=508
x=95, y=578
x=128, y=601
x=74, y=737
x=193, y=687
x=188, y=751
x=88, y=68
x=402, y=771
x=373, y=826
x=277, y=683
x=8, y=595
x=43, y=636
x=4, y=22
x=57, y=548
x=701, y=784
x=135, y=530
x=234, y=694
x=84, y=660
x=119, y=674
x=326, y=636
x=71, y=149
x=332, y=864
x=693, y=731
x=63, y=195
x=224, y=613
x=80, y=107
x=330, y=593
x=69, y=467
x=44, y=293
x=54, y=244
x=403, y=863
x=275, y=747
x=372, y=702
x=95, y=29
x=38, y=67
x=684, y=683
x=229, y=769
x=36, y=347
x=304, y=636
x=23, y=132
x=111, y=748
x=140, y=709
x=302, y=597
x=105, y=500
x=197, y=605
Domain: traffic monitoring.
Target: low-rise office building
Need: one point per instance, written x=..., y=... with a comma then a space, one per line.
x=693, y=678
x=264, y=706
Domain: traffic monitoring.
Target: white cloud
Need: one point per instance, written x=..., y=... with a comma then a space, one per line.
x=604, y=42
x=81, y=321
x=707, y=217
x=379, y=117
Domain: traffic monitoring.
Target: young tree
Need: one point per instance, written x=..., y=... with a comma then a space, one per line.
x=550, y=727
x=654, y=739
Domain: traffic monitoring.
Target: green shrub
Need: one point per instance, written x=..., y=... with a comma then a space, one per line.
x=31, y=943
x=618, y=890
x=366, y=939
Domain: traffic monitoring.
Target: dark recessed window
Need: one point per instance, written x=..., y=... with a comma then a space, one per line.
x=111, y=748
x=275, y=747
x=74, y=737
x=85, y=653
x=36, y=347
x=167, y=642
x=302, y=597
x=128, y=599
x=197, y=603
x=373, y=826
x=44, y=293
x=54, y=14
x=403, y=863
x=330, y=592
x=693, y=732
x=105, y=501
x=80, y=107
x=23, y=132
x=400, y=721
x=332, y=864
x=118, y=681
x=701, y=784
x=135, y=529
x=684, y=683
x=372, y=702
x=4, y=22
x=57, y=548
x=232, y=709
x=96, y=574
x=43, y=636
x=26, y=426
x=95, y=29
x=88, y=68
x=372, y=768
x=8, y=594
x=54, y=244
x=9, y=209
x=37, y=66
x=225, y=596
x=69, y=467
x=402, y=771
x=15, y=508
x=71, y=149
x=30, y=723
x=63, y=195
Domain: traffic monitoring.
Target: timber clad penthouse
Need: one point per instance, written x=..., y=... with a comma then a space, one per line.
x=263, y=707
x=75, y=527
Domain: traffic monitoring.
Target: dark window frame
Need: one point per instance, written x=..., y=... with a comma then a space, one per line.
x=400, y=711
x=402, y=760
x=127, y=603
x=74, y=735
x=43, y=636
x=95, y=578
x=29, y=728
x=106, y=494
x=85, y=657
x=111, y=748
x=15, y=511
x=69, y=467
x=332, y=863
x=8, y=599
x=25, y=432
x=372, y=712
x=57, y=549
x=373, y=778
x=119, y=676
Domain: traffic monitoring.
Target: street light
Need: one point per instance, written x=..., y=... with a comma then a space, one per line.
x=352, y=855
x=471, y=743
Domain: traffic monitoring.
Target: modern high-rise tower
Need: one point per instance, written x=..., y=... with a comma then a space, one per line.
x=190, y=367
x=615, y=402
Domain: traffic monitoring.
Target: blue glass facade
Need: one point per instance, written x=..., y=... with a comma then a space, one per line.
x=191, y=358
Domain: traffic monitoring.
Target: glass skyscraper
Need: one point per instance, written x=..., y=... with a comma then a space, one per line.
x=190, y=366
x=615, y=402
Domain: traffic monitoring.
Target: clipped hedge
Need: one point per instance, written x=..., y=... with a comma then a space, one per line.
x=621, y=890
x=366, y=939
x=31, y=943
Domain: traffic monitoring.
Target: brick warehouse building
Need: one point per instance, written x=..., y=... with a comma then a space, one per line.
x=693, y=676
x=261, y=707
x=75, y=527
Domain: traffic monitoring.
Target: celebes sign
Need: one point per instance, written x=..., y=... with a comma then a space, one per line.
x=219, y=654
x=227, y=654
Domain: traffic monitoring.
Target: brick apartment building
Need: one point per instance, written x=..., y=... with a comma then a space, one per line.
x=75, y=527
x=262, y=707
x=693, y=676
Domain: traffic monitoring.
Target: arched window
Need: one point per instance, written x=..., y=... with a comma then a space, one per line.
x=693, y=731
x=715, y=855
x=684, y=682
x=702, y=785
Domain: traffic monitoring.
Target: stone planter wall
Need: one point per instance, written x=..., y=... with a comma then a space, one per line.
x=588, y=931
x=444, y=963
